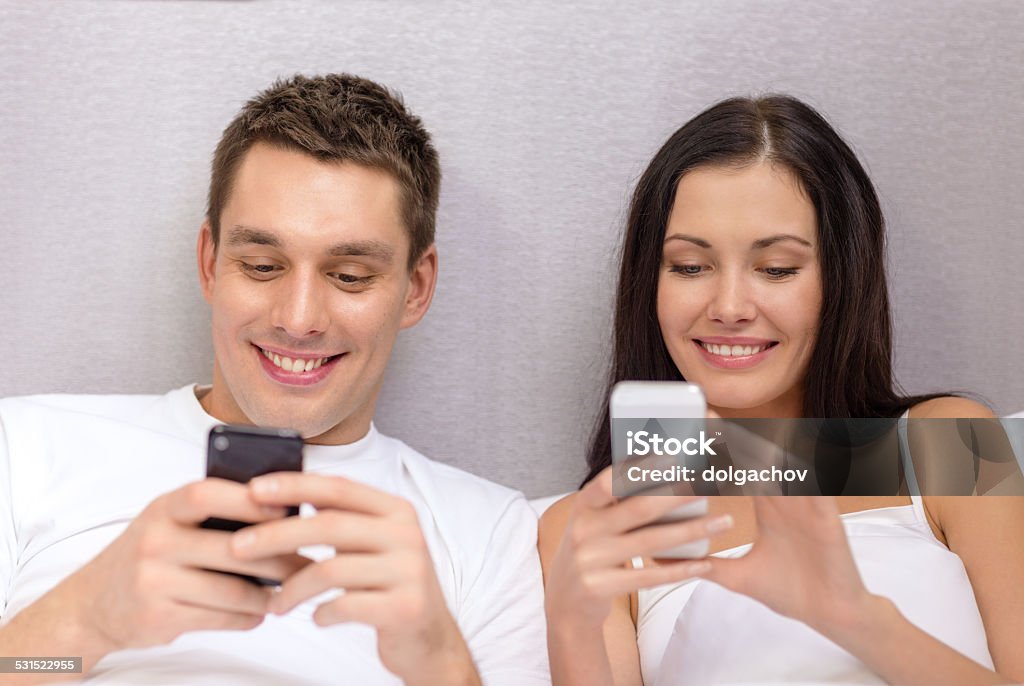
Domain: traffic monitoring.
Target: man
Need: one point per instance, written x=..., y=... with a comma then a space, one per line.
x=318, y=247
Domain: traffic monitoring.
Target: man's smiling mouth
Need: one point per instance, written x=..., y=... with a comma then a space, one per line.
x=296, y=365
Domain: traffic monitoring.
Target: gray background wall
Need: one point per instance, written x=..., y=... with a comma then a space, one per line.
x=545, y=114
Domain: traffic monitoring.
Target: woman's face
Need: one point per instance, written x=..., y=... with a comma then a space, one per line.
x=739, y=290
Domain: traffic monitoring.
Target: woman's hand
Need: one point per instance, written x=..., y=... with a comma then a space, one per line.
x=603, y=533
x=586, y=543
x=800, y=565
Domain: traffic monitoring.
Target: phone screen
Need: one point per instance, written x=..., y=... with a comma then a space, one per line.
x=241, y=453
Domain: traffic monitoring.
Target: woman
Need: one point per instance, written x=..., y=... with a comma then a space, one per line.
x=753, y=265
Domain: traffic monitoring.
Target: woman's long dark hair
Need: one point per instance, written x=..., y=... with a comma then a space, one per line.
x=850, y=370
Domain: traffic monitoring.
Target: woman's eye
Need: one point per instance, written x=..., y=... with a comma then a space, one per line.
x=779, y=272
x=687, y=269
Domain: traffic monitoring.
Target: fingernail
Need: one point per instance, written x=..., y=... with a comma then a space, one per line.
x=277, y=605
x=720, y=524
x=265, y=485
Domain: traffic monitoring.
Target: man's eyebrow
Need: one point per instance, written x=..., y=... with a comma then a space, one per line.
x=772, y=240
x=243, y=235
x=375, y=249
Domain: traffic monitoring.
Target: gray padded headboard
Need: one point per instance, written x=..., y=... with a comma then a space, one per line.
x=545, y=114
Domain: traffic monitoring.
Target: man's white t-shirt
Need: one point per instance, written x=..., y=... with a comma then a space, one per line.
x=75, y=470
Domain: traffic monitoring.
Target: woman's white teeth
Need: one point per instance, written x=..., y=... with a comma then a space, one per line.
x=296, y=365
x=733, y=350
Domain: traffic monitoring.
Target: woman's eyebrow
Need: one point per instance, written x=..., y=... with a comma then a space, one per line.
x=762, y=243
x=759, y=244
x=700, y=242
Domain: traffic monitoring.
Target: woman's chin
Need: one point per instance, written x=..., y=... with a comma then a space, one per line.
x=737, y=403
x=732, y=409
x=748, y=393
x=740, y=405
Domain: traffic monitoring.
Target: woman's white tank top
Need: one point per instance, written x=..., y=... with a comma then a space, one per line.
x=700, y=633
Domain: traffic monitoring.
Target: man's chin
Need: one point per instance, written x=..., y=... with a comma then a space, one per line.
x=313, y=417
x=267, y=413
x=328, y=430
x=303, y=425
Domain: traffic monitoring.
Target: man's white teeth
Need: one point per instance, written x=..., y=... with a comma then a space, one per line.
x=733, y=350
x=296, y=365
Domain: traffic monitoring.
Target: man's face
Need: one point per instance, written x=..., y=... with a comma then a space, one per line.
x=308, y=289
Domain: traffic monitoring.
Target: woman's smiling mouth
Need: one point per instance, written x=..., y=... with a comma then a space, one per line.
x=734, y=353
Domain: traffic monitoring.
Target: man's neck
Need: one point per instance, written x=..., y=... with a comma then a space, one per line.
x=354, y=428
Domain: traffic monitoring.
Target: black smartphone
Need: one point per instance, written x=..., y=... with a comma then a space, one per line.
x=240, y=453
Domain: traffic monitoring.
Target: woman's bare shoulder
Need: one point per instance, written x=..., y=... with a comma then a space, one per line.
x=556, y=517
x=950, y=407
x=552, y=526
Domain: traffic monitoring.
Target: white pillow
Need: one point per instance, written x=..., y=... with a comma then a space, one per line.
x=541, y=504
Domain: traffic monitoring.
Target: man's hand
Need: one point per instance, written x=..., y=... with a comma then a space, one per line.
x=153, y=582
x=382, y=564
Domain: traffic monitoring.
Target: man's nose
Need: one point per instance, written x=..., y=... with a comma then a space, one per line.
x=301, y=308
x=733, y=301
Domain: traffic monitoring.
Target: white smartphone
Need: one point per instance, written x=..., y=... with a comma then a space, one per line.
x=658, y=400
x=664, y=400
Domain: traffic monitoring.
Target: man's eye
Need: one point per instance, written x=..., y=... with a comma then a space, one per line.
x=258, y=269
x=353, y=280
x=686, y=269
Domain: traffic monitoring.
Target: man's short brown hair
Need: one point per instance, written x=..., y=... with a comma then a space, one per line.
x=337, y=117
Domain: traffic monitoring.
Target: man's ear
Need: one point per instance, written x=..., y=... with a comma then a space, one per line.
x=422, y=280
x=206, y=260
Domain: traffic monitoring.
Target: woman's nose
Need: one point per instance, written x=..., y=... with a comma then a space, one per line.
x=732, y=302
